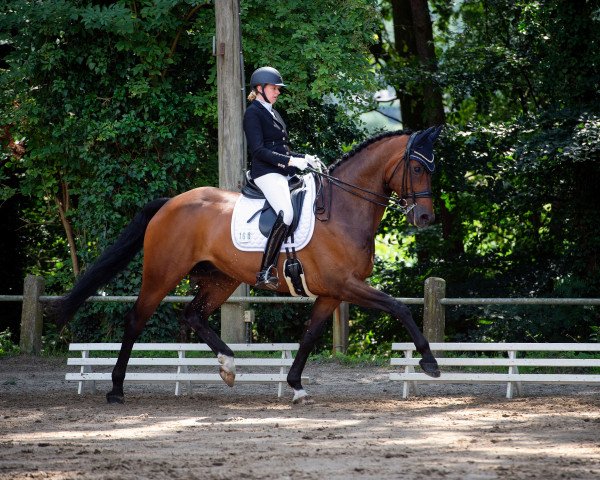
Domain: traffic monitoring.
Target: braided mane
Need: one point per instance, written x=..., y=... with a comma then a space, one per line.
x=365, y=144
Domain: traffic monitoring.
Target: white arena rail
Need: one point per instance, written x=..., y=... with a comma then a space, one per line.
x=464, y=358
x=181, y=370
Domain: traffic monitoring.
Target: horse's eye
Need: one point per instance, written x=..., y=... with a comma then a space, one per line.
x=417, y=169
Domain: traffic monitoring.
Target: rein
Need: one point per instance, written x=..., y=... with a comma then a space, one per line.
x=394, y=203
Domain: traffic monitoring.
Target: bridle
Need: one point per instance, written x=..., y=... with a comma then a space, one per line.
x=406, y=179
x=399, y=204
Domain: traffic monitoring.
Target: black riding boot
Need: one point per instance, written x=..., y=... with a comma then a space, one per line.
x=267, y=277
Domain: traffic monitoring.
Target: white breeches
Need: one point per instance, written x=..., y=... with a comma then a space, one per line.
x=277, y=192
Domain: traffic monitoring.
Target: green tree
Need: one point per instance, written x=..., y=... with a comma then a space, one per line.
x=410, y=66
x=519, y=161
x=116, y=103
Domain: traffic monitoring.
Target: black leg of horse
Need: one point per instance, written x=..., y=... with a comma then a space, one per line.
x=214, y=288
x=133, y=327
x=209, y=299
x=363, y=295
x=321, y=311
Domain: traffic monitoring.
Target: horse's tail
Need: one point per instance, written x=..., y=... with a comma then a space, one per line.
x=114, y=259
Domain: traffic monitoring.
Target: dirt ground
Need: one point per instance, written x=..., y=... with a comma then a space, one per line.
x=358, y=427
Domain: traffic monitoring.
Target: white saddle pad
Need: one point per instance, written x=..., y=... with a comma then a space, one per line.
x=247, y=236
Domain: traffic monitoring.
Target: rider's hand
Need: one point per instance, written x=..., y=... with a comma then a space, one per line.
x=298, y=162
x=313, y=160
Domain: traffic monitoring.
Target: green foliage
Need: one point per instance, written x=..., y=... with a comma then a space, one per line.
x=109, y=109
x=518, y=221
x=518, y=164
x=279, y=322
x=116, y=105
x=321, y=48
x=7, y=347
x=505, y=58
x=55, y=341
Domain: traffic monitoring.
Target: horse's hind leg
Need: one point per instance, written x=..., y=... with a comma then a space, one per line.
x=133, y=327
x=154, y=289
x=214, y=287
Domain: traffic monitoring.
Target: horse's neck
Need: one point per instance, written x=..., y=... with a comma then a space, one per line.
x=366, y=171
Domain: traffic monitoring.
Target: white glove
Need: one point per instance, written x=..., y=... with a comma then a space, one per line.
x=313, y=161
x=298, y=162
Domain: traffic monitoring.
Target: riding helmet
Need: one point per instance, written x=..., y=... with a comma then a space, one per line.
x=266, y=75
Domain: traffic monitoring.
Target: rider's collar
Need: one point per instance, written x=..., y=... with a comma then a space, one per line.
x=268, y=106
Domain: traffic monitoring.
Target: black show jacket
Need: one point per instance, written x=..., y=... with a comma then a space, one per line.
x=268, y=142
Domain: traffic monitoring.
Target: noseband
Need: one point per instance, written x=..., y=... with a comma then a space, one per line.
x=398, y=204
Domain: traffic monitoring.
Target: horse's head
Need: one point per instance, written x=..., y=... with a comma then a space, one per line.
x=411, y=176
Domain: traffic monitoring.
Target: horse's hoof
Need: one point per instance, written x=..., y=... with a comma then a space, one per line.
x=308, y=400
x=430, y=368
x=228, y=377
x=227, y=370
x=114, y=398
x=302, y=398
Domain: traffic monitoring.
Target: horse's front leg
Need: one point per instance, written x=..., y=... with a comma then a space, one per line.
x=322, y=310
x=361, y=294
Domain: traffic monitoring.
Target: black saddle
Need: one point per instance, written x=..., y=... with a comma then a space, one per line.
x=267, y=214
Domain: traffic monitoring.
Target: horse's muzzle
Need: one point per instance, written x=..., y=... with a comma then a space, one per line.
x=421, y=217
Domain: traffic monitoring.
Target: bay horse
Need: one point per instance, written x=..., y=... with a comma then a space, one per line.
x=190, y=234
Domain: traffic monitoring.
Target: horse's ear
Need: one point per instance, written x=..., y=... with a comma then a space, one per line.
x=422, y=136
x=434, y=132
x=427, y=132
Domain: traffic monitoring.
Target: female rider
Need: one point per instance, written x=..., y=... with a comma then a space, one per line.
x=273, y=163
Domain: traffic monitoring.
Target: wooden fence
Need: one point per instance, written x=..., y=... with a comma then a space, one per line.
x=434, y=303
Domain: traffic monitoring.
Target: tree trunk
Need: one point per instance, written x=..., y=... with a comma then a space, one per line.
x=411, y=104
x=433, y=113
x=413, y=36
x=421, y=107
x=62, y=204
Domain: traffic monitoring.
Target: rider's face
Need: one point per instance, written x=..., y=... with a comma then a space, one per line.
x=271, y=92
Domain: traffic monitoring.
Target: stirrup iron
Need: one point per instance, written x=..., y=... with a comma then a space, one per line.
x=268, y=278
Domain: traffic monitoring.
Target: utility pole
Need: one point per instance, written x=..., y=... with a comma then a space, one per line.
x=232, y=147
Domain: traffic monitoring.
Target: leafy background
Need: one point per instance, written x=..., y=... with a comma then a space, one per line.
x=113, y=103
